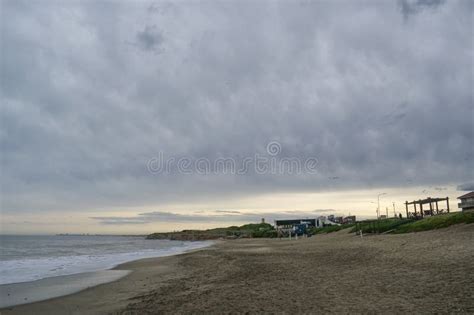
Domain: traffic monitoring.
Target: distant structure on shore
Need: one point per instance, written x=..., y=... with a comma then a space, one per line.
x=300, y=227
x=340, y=220
x=467, y=202
x=434, y=208
x=294, y=227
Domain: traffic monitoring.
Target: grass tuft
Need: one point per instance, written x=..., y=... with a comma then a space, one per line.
x=330, y=229
x=395, y=225
x=380, y=226
x=437, y=222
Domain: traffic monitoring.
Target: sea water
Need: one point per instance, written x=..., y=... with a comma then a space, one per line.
x=29, y=258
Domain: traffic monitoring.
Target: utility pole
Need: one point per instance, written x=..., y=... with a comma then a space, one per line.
x=378, y=204
x=394, y=212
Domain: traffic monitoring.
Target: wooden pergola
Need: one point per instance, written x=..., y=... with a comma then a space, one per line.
x=431, y=202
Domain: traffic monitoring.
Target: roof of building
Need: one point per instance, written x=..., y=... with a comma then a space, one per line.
x=296, y=221
x=468, y=195
x=425, y=201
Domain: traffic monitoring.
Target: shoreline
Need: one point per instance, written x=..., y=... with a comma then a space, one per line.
x=15, y=294
x=42, y=290
x=427, y=272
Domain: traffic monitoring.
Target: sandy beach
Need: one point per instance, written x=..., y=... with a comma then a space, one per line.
x=428, y=272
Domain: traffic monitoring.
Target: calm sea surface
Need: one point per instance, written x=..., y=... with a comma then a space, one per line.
x=28, y=258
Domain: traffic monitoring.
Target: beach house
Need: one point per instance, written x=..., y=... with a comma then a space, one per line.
x=467, y=202
x=296, y=226
x=349, y=219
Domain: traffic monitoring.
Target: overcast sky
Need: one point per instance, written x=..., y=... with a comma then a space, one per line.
x=378, y=93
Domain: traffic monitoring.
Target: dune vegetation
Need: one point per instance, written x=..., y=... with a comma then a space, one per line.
x=436, y=222
x=395, y=225
x=245, y=231
x=265, y=230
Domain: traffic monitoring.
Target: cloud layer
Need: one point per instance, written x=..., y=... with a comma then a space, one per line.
x=215, y=216
x=379, y=92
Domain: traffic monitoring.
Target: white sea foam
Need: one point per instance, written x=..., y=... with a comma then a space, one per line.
x=93, y=254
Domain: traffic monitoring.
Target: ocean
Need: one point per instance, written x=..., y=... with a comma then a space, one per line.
x=29, y=258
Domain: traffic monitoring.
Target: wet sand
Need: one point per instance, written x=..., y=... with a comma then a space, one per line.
x=39, y=290
x=428, y=272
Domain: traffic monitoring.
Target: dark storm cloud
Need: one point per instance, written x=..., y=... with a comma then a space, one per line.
x=150, y=39
x=411, y=7
x=378, y=101
x=466, y=187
